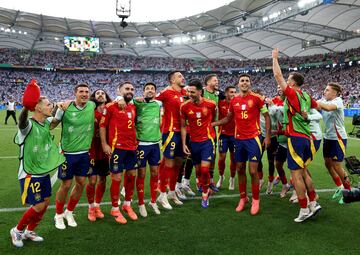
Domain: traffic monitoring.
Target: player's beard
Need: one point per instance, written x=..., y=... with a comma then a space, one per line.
x=128, y=97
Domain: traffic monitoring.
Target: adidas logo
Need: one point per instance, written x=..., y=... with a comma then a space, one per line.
x=254, y=158
x=191, y=112
x=335, y=158
x=209, y=158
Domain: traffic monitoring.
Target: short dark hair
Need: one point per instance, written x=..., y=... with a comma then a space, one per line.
x=229, y=87
x=149, y=84
x=244, y=75
x=209, y=77
x=298, y=78
x=335, y=86
x=123, y=83
x=171, y=74
x=196, y=83
x=81, y=85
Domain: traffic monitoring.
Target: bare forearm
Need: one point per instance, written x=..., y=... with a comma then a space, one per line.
x=278, y=74
x=267, y=125
x=23, y=118
x=102, y=132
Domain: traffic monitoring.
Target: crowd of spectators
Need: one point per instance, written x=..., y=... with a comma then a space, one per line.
x=59, y=85
x=58, y=60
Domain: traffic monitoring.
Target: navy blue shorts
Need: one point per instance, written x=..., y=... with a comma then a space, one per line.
x=75, y=165
x=317, y=144
x=202, y=151
x=148, y=153
x=226, y=142
x=99, y=167
x=172, y=145
x=38, y=189
x=248, y=150
x=281, y=154
x=123, y=159
x=301, y=152
x=334, y=149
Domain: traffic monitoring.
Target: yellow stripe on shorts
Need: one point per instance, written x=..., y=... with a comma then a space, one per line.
x=294, y=155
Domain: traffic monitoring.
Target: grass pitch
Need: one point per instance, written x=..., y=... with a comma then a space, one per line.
x=188, y=229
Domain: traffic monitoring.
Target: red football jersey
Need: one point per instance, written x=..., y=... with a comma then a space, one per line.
x=120, y=126
x=228, y=128
x=199, y=118
x=246, y=113
x=171, y=100
x=96, y=151
x=277, y=101
x=294, y=106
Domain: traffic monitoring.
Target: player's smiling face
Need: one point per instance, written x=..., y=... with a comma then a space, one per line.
x=149, y=91
x=214, y=83
x=194, y=94
x=329, y=93
x=127, y=91
x=230, y=94
x=244, y=83
x=100, y=96
x=178, y=79
x=82, y=95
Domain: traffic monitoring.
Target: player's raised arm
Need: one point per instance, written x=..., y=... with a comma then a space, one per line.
x=23, y=118
x=277, y=70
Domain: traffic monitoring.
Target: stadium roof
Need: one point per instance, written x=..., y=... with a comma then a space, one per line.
x=243, y=29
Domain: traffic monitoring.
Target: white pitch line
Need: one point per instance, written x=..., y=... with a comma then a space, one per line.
x=19, y=209
x=8, y=157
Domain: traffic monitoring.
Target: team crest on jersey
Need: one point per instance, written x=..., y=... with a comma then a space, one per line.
x=129, y=114
x=204, y=110
x=181, y=100
x=198, y=115
x=243, y=106
x=37, y=196
x=104, y=111
x=250, y=103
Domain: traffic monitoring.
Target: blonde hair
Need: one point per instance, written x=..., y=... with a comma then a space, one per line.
x=335, y=86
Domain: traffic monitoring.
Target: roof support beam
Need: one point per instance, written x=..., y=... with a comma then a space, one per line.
x=229, y=49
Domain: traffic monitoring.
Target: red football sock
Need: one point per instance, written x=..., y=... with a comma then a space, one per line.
x=205, y=178
x=346, y=183
x=337, y=181
x=221, y=167
x=232, y=165
x=90, y=193
x=153, y=187
x=255, y=189
x=28, y=216
x=72, y=204
x=129, y=187
x=303, y=203
x=100, y=190
x=312, y=195
x=140, y=189
x=35, y=222
x=271, y=178
x=164, y=177
x=173, y=177
x=242, y=190
x=59, y=206
x=114, y=192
